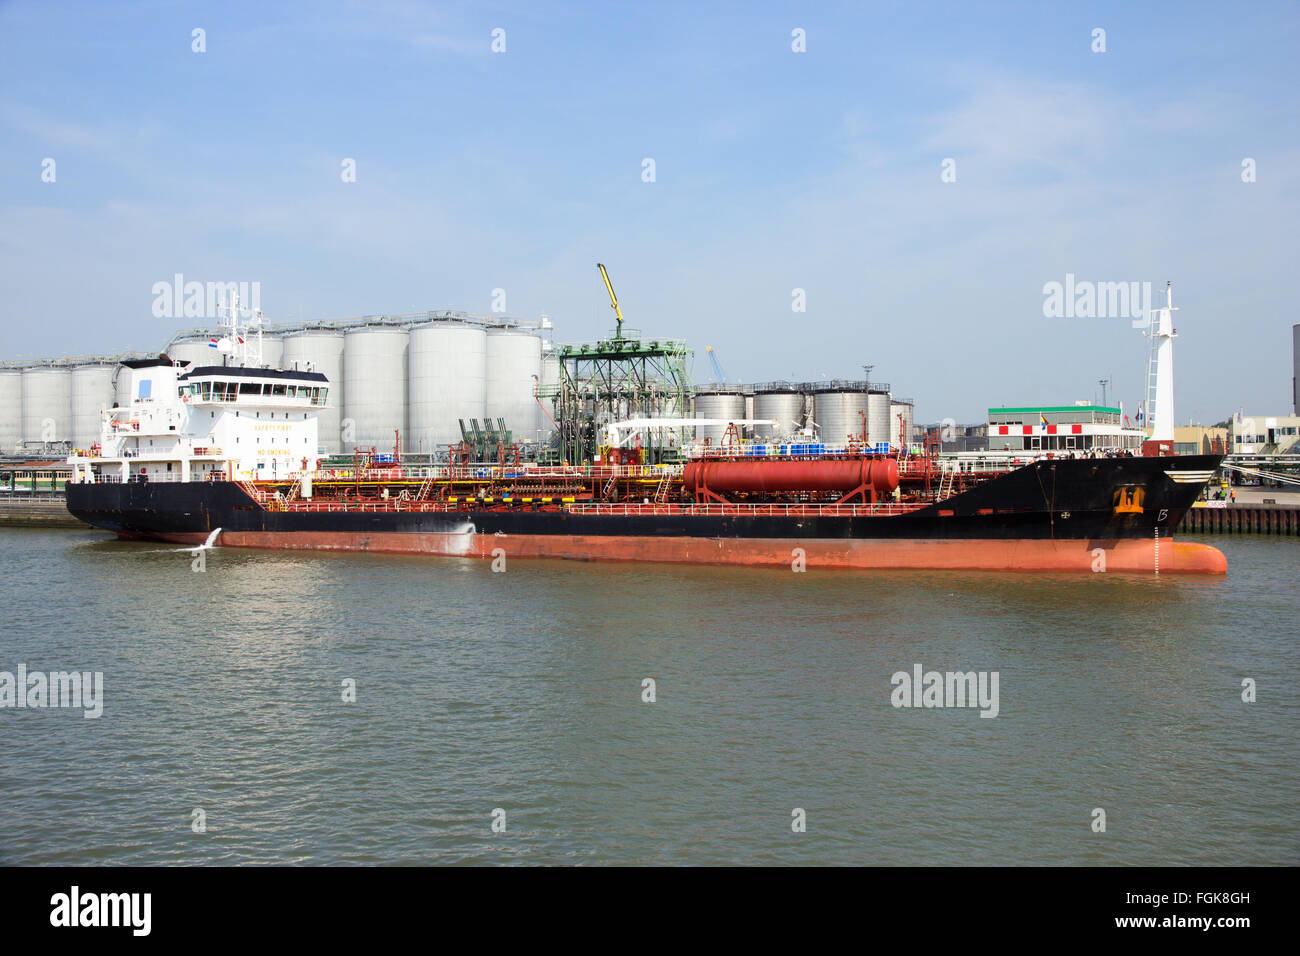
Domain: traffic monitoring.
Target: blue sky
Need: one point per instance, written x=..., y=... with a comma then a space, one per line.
x=774, y=170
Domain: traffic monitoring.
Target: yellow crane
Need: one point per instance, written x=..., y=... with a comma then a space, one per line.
x=613, y=300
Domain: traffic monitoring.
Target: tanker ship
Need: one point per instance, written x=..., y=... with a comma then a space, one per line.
x=232, y=450
x=228, y=454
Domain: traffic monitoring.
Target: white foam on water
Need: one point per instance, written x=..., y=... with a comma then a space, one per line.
x=461, y=539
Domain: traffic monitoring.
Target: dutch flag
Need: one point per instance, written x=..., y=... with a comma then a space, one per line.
x=212, y=343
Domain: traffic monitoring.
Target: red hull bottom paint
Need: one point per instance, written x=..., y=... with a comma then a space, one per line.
x=1141, y=557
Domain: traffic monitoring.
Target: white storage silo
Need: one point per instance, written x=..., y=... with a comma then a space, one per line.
x=122, y=386
x=374, y=388
x=839, y=412
x=92, y=392
x=195, y=350
x=321, y=350
x=11, y=410
x=880, y=426
x=272, y=350
x=900, y=434
x=47, y=404
x=446, y=372
x=550, y=386
x=723, y=404
x=513, y=371
x=782, y=403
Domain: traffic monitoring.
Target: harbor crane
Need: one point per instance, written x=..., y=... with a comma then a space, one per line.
x=613, y=301
x=717, y=367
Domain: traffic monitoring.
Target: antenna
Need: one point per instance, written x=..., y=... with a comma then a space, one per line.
x=1103, y=382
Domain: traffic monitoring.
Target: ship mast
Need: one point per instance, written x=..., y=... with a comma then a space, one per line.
x=1160, y=376
x=236, y=342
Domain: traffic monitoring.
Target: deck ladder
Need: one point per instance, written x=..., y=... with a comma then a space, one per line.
x=661, y=493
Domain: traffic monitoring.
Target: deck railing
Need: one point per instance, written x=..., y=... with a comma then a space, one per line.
x=591, y=508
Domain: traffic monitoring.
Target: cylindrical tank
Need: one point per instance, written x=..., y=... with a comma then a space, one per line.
x=47, y=404
x=720, y=404
x=784, y=405
x=374, y=387
x=765, y=475
x=11, y=410
x=122, y=386
x=446, y=367
x=900, y=434
x=550, y=384
x=320, y=350
x=92, y=392
x=195, y=350
x=880, y=427
x=272, y=350
x=839, y=412
x=513, y=367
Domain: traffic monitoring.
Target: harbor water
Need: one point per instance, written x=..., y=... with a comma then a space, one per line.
x=228, y=732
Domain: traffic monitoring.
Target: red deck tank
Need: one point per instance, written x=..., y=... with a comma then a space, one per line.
x=721, y=477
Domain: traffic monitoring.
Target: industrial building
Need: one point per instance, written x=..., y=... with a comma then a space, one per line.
x=1264, y=434
x=1081, y=427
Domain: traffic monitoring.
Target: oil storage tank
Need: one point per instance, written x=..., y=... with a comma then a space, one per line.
x=838, y=409
x=513, y=370
x=723, y=402
x=782, y=402
x=550, y=386
x=321, y=350
x=446, y=368
x=901, y=434
x=374, y=387
x=272, y=350
x=47, y=404
x=880, y=426
x=194, y=349
x=122, y=386
x=11, y=410
x=92, y=392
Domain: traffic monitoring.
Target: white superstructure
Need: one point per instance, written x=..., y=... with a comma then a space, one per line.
x=232, y=419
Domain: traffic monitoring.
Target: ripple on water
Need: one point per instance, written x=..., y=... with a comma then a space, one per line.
x=477, y=691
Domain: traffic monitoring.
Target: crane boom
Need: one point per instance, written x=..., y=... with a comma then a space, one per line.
x=717, y=367
x=613, y=300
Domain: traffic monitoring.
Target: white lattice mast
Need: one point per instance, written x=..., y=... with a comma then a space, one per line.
x=1160, y=378
x=235, y=342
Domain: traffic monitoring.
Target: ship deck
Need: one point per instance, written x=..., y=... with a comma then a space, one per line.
x=810, y=510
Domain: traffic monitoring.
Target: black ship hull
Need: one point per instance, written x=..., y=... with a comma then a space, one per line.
x=1115, y=514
